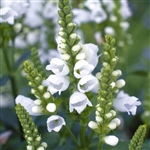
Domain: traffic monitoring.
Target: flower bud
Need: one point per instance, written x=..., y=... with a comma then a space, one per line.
x=46, y=95
x=41, y=87
x=113, y=112
x=80, y=56
x=38, y=139
x=37, y=109
x=111, y=140
x=98, y=119
x=93, y=125
x=41, y=148
x=51, y=107
x=117, y=121
x=120, y=83
x=112, y=125
x=98, y=75
x=77, y=48
x=44, y=144
x=65, y=57
x=37, y=102
x=108, y=115
x=29, y=147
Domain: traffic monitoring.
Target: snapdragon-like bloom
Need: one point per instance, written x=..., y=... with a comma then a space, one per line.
x=7, y=14
x=111, y=140
x=56, y=83
x=28, y=104
x=58, y=67
x=82, y=68
x=55, y=123
x=78, y=101
x=90, y=52
x=125, y=103
x=88, y=83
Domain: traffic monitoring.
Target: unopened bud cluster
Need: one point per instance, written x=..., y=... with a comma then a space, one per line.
x=105, y=116
x=44, y=97
x=30, y=130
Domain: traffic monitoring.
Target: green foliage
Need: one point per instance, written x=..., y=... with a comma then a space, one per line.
x=138, y=138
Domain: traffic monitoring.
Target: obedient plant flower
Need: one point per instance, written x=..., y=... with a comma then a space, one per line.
x=111, y=140
x=55, y=123
x=125, y=103
x=88, y=83
x=56, y=83
x=7, y=14
x=82, y=68
x=29, y=105
x=58, y=67
x=90, y=53
x=78, y=101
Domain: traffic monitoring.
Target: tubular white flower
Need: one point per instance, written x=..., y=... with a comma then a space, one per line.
x=27, y=103
x=7, y=14
x=93, y=125
x=125, y=103
x=111, y=140
x=51, y=107
x=58, y=67
x=90, y=51
x=55, y=123
x=56, y=83
x=88, y=83
x=82, y=68
x=78, y=101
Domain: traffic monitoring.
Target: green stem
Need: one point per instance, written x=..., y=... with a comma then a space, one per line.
x=82, y=136
x=91, y=136
x=73, y=137
x=100, y=144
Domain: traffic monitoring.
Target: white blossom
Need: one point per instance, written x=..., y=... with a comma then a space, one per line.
x=55, y=123
x=27, y=103
x=88, y=83
x=56, y=83
x=82, y=68
x=58, y=67
x=125, y=103
x=90, y=51
x=78, y=101
x=7, y=14
x=111, y=140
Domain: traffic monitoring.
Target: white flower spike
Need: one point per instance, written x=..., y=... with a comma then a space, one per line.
x=55, y=123
x=78, y=101
x=58, y=67
x=88, y=83
x=27, y=103
x=56, y=83
x=111, y=140
x=125, y=103
x=82, y=68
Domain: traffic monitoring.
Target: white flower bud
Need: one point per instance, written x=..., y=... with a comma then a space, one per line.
x=111, y=140
x=29, y=147
x=47, y=95
x=99, y=109
x=30, y=138
x=113, y=112
x=76, y=48
x=38, y=139
x=37, y=102
x=44, y=144
x=97, y=113
x=108, y=115
x=51, y=107
x=65, y=56
x=17, y=27
x=98, y=75
x=41, y=87
x=37, y=109
x=98, y=119
x=80, y=56
x=113, y=84
x=93, y=125
x=41, y=148
x=120, y=83
x=112, y=125
x=33, y=91
x=117, y=121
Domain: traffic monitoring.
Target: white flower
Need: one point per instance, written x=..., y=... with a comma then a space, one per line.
x=90, y=51
x=58, y=67
x=55, y=123
x=125, y=103
x=88, y=83
x=27, y=103
x=7, y=14
x=111, y=140
x=78, y=101
x=56, y=83
x=82, y=68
